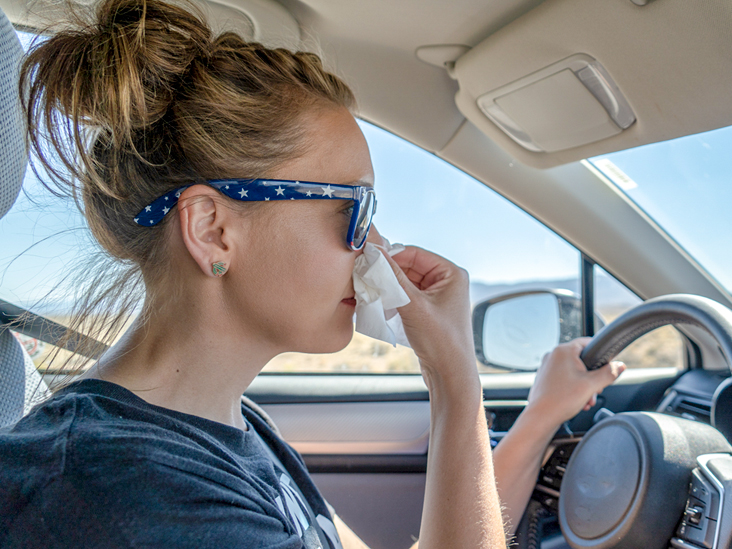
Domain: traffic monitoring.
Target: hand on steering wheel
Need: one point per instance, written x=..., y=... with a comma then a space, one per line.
x=564, y=386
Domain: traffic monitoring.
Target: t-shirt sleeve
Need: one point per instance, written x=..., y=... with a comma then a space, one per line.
x=149, y=504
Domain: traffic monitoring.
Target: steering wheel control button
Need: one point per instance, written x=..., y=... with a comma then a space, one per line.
x=552, y=479
x=698, y=487
x=694, y=515
x=551, y=475
x=701, y=490
x=703, y=537
x=550, y=503
x=698, y=524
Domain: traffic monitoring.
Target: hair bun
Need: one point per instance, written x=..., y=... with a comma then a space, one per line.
x=114, y=72
x=145, y=48
x=120, y=68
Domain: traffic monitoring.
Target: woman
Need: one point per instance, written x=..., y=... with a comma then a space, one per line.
x=154, y=120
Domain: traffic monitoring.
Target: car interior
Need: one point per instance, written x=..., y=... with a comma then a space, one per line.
x=517, y=94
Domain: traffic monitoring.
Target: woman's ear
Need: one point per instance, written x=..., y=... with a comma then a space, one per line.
x=203, y=225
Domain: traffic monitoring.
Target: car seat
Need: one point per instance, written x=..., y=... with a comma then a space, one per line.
x=21, y=385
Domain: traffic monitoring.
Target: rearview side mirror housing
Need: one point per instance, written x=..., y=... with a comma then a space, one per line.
x=514, y=331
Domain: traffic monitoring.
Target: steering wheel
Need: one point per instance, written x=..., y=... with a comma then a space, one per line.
x=627, y=482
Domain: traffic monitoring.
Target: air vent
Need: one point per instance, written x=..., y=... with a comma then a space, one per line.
x=696, y=409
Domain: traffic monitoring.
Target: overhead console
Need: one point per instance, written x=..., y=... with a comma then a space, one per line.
x=565, y=105
x=573, y=79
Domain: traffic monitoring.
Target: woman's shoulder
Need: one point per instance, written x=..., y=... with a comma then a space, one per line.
x=66, y=431
x=93, y=422
x=93, y=445
x=91, y=414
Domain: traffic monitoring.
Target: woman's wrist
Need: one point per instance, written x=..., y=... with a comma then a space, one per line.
x=455, y=383
x=541, y=420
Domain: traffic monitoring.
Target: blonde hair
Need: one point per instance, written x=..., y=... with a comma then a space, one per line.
x=138, y=97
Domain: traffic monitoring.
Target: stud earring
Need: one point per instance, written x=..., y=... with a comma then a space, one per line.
x=218, y=268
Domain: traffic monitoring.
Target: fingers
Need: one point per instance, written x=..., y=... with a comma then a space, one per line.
x=404, y=281
x=578, y=344
x=602, y=378
x=591, y=402
x=422, y=268
x=608, y=374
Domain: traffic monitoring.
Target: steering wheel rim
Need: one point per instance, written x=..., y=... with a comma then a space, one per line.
x=675, y=309
x=640, y=439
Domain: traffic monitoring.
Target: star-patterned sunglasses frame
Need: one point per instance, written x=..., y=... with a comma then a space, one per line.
x=261, y=190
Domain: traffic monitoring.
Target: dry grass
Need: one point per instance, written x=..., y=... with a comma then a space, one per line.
x=661, y=348
x=363, y=354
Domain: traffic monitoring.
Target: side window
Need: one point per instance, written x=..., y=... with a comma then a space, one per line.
x=426, y=202
x=663, y=347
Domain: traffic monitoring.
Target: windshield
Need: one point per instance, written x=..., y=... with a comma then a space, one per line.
x=685, y=185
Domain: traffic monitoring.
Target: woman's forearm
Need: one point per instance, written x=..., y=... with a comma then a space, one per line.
x=517, y=460
x=461, y=507
x=563, y=386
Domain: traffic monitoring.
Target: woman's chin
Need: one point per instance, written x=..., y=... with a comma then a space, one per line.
x=328, y=343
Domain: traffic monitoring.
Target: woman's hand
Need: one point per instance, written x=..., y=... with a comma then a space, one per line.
x=564, y=386
x=437, y=320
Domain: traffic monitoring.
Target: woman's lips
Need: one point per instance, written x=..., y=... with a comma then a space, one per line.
x=350, y=301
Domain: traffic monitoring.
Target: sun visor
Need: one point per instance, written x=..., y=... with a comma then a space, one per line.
x=573, y=79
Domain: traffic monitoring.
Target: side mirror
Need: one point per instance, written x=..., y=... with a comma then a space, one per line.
x=515, y=331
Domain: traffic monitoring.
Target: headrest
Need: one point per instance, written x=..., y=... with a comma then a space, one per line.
x=13, y=153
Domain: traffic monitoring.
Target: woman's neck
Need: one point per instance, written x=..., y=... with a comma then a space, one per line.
x=190, y=363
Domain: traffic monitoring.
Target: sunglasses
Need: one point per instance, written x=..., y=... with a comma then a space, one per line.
x=261, y=190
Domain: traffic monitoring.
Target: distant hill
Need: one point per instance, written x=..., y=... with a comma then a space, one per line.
x=609, y=294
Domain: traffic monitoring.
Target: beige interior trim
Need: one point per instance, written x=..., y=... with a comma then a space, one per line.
x=674, y=86
x=273, y=25
x=264, y=21
x=354, y=427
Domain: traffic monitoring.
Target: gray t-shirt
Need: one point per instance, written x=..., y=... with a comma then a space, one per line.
x=97, y=466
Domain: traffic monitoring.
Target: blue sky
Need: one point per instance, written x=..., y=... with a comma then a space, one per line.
x=686, y=185
x=425, y=201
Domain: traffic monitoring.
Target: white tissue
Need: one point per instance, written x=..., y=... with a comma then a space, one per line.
x=378, y=294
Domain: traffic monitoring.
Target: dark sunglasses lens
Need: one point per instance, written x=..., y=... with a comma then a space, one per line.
x=363, y=222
